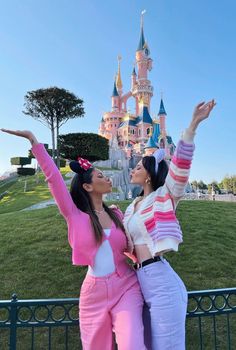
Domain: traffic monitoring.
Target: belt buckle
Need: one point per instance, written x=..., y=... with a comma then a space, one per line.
x=137, y=266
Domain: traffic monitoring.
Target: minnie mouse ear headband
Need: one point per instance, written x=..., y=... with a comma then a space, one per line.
x=80, y=164
x=159, y=155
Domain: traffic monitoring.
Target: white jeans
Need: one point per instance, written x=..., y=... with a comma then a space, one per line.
x=166, y=297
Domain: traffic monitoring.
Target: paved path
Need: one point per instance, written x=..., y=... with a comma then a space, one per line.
x=48, y=202
x=41, y=205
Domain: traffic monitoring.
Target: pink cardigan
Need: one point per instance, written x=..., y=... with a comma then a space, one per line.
x=157, y=220
x=80, y=232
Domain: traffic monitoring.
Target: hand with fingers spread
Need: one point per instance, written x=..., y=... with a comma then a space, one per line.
x=22, y=133
x=201, y=112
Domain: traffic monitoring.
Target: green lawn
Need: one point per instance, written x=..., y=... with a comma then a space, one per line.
x=34, y=248
x=36, y=191
x=35, y=258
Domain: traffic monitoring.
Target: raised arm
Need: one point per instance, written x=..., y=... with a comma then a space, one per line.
x=180, y=164
x=54, y=178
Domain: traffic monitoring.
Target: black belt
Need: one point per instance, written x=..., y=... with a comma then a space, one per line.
x=137, y=266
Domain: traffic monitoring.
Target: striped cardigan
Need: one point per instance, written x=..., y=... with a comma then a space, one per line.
x=159, y=226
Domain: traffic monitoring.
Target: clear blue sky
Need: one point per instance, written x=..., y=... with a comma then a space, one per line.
x=74, y=44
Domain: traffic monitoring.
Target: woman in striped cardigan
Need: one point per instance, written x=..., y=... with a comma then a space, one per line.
x=153, y=229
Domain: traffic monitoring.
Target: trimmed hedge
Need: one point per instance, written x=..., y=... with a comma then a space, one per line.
x=20, y=161
x=25, y=171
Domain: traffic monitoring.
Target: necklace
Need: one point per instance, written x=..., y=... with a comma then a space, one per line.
x=99, y=211
x=142, y=197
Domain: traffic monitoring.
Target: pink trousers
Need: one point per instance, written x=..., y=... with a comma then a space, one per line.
x=111, y=304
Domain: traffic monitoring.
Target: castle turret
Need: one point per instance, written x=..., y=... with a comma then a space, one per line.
x=119, y=84
x=141, y=39
x=162, y=115
x=115, y=98
x=133, y=79
x=143, y=89
x=102, y=127
x=143, y=60
x=156, y=131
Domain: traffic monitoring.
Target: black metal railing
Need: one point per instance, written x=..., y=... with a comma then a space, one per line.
x=53, y=323
x=211, y=319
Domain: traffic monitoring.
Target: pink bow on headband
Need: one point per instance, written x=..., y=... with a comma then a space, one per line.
x=159, y=156
x=84, y=163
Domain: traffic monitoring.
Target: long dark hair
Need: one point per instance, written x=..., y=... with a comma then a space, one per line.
x=83, y=201
x=157, y=179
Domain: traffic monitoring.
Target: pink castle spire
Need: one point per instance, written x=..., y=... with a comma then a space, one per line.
x=143, y=91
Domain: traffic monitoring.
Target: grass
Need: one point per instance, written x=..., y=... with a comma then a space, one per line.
x=35, y=258
x=107, y=168
x=35, y=253
x=36, y=191
x=34, y=248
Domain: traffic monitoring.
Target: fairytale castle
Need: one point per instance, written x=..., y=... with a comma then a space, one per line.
x=136, y=133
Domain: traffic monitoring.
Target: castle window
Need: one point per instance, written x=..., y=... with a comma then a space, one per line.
x=148, y=131
x=115, y=125
x=139, y=132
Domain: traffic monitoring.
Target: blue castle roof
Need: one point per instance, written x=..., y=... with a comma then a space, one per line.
x=115, y=92
x=128, y=122
x=156, y=132
x=141, y=40
x=162, y=108
x=150, y=143
x=144, y=116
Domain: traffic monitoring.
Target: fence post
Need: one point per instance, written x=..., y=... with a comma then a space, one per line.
x=13, y=319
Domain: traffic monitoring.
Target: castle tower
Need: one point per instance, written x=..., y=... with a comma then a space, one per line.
x=119, y=84
x=133, y=79
x=150, y=146
x=143, y=90
x=162, y=115
x=156, y=131
x=115, y=99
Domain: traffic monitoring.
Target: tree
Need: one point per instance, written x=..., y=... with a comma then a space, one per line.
x=213, y=186
x=53, y=107
x=194, y=185
x=86, y=145
x=202, y=185
x=229, y=183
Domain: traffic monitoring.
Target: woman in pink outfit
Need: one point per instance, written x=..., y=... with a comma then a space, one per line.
x=110, y=298
x=153, y=229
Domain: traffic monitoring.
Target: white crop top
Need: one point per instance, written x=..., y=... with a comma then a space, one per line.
x=104, y=260
x=134, y=230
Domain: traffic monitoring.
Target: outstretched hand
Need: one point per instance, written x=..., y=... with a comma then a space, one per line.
x=201, y=112
x=22, y=133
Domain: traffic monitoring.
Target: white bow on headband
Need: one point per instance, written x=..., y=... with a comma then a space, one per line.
x=159, y=155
